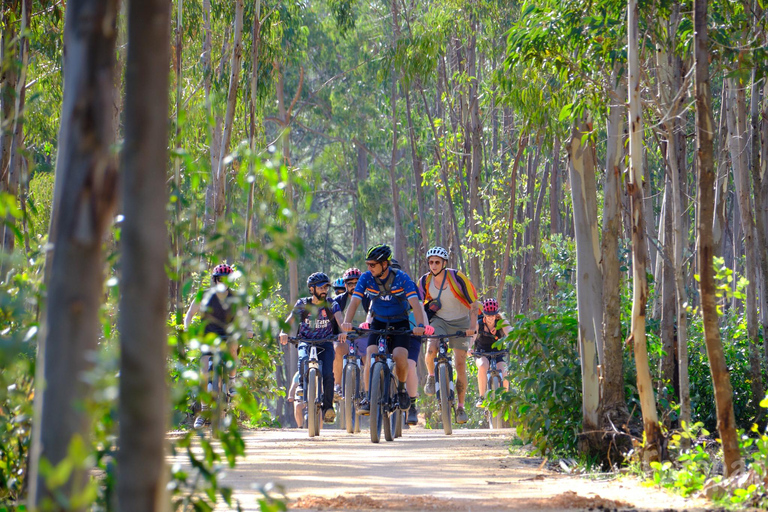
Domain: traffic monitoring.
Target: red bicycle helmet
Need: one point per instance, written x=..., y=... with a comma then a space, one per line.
x=490, y=307
x=351, y=273
x=222, y=270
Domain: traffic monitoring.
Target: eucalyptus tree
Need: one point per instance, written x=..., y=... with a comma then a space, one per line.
x=84, y=202
x=143, y=414
x=651, y=426
x=580, y=47
x=704, y=153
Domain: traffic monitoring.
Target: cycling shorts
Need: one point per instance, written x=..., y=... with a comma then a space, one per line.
x=393, y=342
x=414, y=349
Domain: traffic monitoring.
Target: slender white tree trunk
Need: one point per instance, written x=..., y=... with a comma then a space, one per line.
x=589, y=298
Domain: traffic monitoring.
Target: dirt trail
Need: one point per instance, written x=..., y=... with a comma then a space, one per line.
x=471, y=470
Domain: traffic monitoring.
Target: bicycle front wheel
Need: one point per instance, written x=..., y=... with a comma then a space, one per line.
x=350, y=393
x=497, y=418
x=445, y=399
x=312, y=416
x=377, y=396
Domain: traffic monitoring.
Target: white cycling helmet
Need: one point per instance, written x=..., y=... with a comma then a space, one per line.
x=438, y=251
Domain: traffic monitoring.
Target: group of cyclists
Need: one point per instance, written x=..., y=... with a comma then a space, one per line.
x=444, y=301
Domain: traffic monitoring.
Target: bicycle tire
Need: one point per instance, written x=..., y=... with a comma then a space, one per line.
x=217, y=407
x=350, y=392
x=312, y=416
x=396, y=416
x=397, y=423
x=497, y=419
x=377, y=390
x=445, y=399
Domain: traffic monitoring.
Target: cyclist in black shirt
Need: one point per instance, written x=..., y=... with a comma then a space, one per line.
x=220, y=316
x=491, y=327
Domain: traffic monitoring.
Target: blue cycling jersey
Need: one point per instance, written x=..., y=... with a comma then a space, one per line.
x=387, y=306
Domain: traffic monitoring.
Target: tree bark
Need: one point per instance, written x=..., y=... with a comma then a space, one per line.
x=476, y=128
x=653, y=445
x=401, y=244
x=143, y=394
x=705, y=126
x=255, y=46
x=759, y=194
x=83, y=206
x=511, y=217
x=612, y=353
x=737, y=143
x=555, y=193
x=581, y=165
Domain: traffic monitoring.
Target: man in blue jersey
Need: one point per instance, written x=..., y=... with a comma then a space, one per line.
x=390, y=291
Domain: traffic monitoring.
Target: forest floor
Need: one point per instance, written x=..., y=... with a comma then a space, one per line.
x=471, y=470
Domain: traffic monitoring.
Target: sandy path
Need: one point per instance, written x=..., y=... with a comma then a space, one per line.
x=471, y=470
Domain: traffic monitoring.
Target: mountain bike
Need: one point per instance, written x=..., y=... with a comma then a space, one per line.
x=444, y=386
x=312, y=384
x=383, y=385
x=495, y=381
x=350, y=386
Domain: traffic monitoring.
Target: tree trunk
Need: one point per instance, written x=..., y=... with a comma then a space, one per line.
x=581, y=165
x=762, y=211
x=255, y=46
x=555, y=192
x=401, y=244
x=612, y=356
x=736, y=112
x=668, y=301
x=229, y=118
x=705, y=126
x=639, y=246
x=511, y=217
x=358, y=234
x=476, y=128
x=761, y=229
x=143, y=393
x=417, y=169
x=176, y=234
x=83, y=205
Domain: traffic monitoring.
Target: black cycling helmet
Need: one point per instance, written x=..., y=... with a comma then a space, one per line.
x=379, y=253
x=395, y=264
x=318, y=278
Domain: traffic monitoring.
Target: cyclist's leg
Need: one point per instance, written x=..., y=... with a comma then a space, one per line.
x=460, y=346
x=326, y=357
x=440, y=327
x=234, y=351
x=341, y=349
x=298, y=413
x=412, y=382
x=373, y=347
x=482, y=376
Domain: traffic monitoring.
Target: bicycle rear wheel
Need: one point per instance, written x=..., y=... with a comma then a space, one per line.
x=377, y=392
x=312, y=415
x=350, y=393
x=397, y=423
x=445, y=399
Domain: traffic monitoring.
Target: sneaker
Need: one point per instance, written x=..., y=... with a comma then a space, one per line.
x=413, y=416
x=479, y=403
x=404, y=401
x=337, y=393
x=429, y=386
x=329, y=416
x=364, y=408
x=199, y=423
x=232, y=387
x=461, y=416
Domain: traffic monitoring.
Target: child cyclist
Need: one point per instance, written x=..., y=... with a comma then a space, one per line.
x=491, y=327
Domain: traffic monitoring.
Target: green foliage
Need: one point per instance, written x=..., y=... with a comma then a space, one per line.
x=544, y=400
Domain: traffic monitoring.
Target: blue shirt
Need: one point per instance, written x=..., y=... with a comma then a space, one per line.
x=392, y=306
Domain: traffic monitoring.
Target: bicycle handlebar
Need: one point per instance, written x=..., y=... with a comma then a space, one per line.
x=457, y=334
x=296, y=341
x=481, y=353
